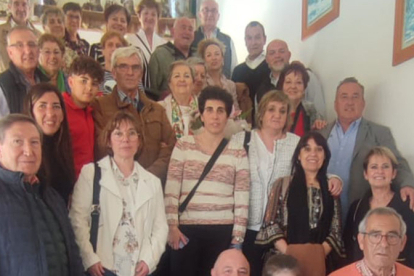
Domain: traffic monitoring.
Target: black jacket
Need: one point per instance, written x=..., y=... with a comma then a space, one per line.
x=22, y=251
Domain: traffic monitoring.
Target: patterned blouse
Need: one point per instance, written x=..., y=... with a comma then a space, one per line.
x=125, y=243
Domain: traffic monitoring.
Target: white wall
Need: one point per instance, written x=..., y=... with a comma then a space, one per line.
x=358, y=43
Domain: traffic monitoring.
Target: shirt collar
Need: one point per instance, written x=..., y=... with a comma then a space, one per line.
x=273, y=80
x=252, y=64
x=213, y=33
x=125, y=99
x=14, y=24
x=354, y=124
x=365, y=271
x=118, y=172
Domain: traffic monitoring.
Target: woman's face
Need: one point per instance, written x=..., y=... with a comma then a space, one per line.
x=214, y=116
x=148, y=19
x=275, y=116
x=51, y=57
x=293, y=86
x=200, y=80
x=124, y=140
x=379, y=172
x=117, y=22
x=311, y=156
x=48, y=113
x=110, y=46
x=55, y=25
x=213, y=58
x=181, y=82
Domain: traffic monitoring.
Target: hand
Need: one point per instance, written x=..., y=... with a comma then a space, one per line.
x=281, y=245
x=335, y=186
x=326, y=248
x=319, y=124
x=141, y=269
x=175, y=236
x=96, y=269
x=408, y=192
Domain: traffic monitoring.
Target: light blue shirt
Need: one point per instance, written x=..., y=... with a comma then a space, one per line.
x=342, y=146
x=125, y=99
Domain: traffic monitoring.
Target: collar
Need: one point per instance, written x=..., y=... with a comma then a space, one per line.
x=67, y=36
x=120, y=175
x=69, y=101
x=354, y=124
x=273, y=80
x=252, y=64
x=143, y=100
x=125, y=99
x=363, y=268
x=14, y=24
x=18, y=75
x=213, y=33
x=177, y=52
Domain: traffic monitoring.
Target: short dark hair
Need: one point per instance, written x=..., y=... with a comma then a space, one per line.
x=8, y=121
x=114, y=8
x=149, y=4
x=51, y=38
x=84, y=65
x=350, y=80
x=215, y=93
x=277, y=263
x=52, y=10
x=71, y=6
x=294, y=67
x=255, y=24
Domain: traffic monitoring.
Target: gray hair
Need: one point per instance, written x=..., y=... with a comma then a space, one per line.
x=52, y=10
x=28, y=2
x=7, y=122
x=123, y=52
x=19, y=28
x=181, y=18
x=350, y=80
x=195, y=61
x=202, y=2
x=179, y=63
x=382, y=211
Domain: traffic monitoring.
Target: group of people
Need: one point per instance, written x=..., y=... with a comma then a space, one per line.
x=97, y=176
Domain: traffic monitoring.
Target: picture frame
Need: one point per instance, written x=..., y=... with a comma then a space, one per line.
x=316, y=14
x=403, y=31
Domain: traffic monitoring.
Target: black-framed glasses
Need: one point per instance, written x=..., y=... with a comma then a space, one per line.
x=376, y=237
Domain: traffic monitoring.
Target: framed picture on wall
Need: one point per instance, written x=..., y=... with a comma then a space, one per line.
x=316, y=14
x=403, y=31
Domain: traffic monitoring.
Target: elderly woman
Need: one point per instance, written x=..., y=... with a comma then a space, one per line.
x=216, y=214
x=53, y=21
x=293, y=81
x=300, y=209
x=181, y=103
x=132, y=226
x=146, y=38
x=110, y=41
x=45, y=105
x=212, y=51
x=117, y=20
x=380, y=168
x=200, y=71
x=51, y=55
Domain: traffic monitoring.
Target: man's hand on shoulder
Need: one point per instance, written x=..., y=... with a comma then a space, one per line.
x=408, y=193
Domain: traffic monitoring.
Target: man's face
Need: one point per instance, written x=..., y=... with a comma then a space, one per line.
x=209, y=14
x=73, y=21
x=349, y=102
x=21, y=150
x=83, y=89
x=381, y=254
x=255, y=40
x=231, y=263
x=127, y=72
x=183, y=33
x=23, y=50
x=277, y=55
x=20, y=11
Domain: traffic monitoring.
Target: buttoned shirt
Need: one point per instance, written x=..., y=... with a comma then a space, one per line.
x=125, y=99
x=342, y=146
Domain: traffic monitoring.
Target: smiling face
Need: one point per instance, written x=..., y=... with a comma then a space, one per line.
x=20, y=10
x=231, y=263
x=73, y=21
x=277, y=55
x=117, y=22
x=84, y=89
x=349, y=102
x=214, y=117
x=213, y=58
x=255, y=41
x=51, y=58
x=293, y=86
x=55, y=25
x=124, y=141
x=380, y=172
x=183, y=33
x=275, y=116
x=127, y=72
x=48, y=113
x=21, y=150
x=110, y=46
x=181, y=82
x=23, y=50
x=148, y=19
x=311, y=156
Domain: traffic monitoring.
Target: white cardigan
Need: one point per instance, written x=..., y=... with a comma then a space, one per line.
x=150, y=221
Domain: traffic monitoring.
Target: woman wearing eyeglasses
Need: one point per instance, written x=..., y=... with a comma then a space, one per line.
x=380, y=168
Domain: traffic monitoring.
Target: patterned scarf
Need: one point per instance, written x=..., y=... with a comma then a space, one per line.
x=177, y=119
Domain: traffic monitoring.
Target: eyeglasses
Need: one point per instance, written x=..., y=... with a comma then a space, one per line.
x=20, y=45
x=49, y=53
x=132, y=135
x=376, y=237
x=212, y=11
x=125, y=67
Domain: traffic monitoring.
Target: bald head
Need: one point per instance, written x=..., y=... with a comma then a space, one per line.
x=277, y=55
x=231, y=262
x=183, y=33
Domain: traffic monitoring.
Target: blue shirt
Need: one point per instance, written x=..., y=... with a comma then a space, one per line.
x=125, y=99
x=342, y=146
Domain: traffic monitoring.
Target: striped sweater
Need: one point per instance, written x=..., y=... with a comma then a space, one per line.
x=222, y=197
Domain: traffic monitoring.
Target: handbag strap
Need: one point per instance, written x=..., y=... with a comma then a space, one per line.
x=247, y=137
x=206, y=170
x=96, y=209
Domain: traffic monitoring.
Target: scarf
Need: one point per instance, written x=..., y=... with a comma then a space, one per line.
x=177, y=119
x=60, y=80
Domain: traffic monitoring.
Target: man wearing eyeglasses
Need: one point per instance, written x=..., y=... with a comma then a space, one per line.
x=382, y=236
x=209, y=15
x=73, y=20
x=19, y=16
x=23, y=72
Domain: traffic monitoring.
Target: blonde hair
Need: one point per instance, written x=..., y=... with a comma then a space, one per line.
x=272, y=96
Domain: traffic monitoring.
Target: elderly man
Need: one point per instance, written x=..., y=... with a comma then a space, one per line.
x=350, y=138
x=158, y=136
x=231, y=262
x=277, y=57
x=19, y=16
x=23, y=72
x=381, y=238
x=209, y=15
x=36, y=237
x=164, y=55
x=73, y=20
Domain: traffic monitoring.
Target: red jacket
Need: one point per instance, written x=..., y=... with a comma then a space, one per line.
x=81, y=127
